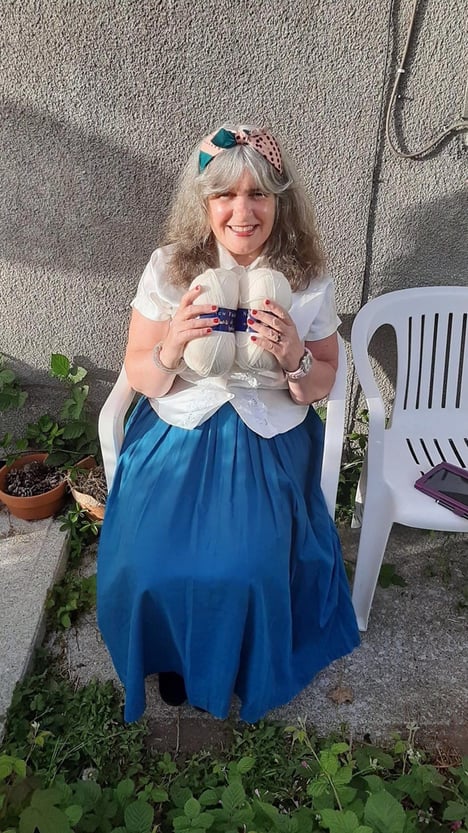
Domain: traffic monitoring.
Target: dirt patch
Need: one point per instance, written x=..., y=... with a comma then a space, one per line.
x=188, y=736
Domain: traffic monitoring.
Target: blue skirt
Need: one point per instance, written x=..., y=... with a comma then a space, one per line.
x=218, y=560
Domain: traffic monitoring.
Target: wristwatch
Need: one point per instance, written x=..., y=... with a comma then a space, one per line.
x=304, y=366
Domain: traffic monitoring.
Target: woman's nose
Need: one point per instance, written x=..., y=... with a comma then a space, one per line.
x=242, y=206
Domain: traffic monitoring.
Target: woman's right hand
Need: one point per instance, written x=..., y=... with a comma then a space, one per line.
x=187, y=325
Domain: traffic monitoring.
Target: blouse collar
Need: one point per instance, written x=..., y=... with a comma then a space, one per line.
x=226, y=260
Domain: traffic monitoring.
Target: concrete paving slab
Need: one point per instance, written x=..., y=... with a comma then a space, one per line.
x=32, y=557
x=412, y=665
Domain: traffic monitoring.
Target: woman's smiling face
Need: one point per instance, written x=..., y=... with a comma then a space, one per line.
x=242, y=219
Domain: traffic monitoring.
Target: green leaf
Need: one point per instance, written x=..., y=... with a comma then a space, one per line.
x=124, y=790
x=181, y=823
x=339, y=748
x=73, y=813
x=6, y=377
x=329, y=762
x=233, y=797
x=270, y=811
x=384, y=813
x=455, y=811
x=59, y=365
x=204, y=821
x=138, y=817
x=56, y=458
x=345, y=794
x=344, y=775
x=245, y=764
x=208, y=798
x=318, y=788
x=74, y=429
x=192, y=808
x=375, y=783
x=45, y=819
x=388, y=576
x=87, y=794
x=158, y=795
x=338, y=821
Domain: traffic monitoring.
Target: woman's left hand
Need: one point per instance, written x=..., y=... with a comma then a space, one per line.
x=277, y=333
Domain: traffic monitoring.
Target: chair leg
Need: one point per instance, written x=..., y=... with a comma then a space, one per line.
x=372, y=542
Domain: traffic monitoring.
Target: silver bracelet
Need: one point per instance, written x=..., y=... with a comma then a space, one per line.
x=157, y=360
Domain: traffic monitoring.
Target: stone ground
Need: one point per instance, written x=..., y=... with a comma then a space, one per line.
x=410, y=668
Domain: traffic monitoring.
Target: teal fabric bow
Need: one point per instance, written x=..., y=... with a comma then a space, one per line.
x=222, y=139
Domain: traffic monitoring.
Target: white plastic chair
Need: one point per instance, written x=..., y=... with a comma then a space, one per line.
x=428, y=424
x=113, y=412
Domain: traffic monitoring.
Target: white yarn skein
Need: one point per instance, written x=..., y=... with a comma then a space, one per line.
x=255, y=286
x=213, y=354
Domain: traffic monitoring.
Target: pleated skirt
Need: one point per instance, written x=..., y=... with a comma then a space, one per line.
x=218, y=560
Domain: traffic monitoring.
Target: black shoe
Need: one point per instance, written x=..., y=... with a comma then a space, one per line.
x=172, y=688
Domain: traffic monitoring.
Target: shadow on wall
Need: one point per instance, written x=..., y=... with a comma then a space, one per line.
x=432, y=247
x=73, y=201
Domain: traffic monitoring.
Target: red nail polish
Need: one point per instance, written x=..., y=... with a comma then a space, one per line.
x=215, y=320
x=213, y=307
x=254, y=312
x=209, y=330
x=253, y=338
x=250, y=321
x=267, y=301
x=197, y=287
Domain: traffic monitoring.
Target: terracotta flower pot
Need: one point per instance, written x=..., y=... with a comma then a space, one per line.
x=35, y=507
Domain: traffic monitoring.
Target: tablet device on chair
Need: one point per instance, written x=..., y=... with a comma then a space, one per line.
x=448, y=485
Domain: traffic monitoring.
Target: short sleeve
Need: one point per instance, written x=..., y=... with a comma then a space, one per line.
x=313, y=310
x=152, y=298
x=326, y=320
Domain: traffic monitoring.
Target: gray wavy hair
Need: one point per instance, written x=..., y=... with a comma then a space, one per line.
x=294, y=246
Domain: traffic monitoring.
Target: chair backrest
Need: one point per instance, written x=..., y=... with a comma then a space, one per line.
x=114, y=410
x=431, y=328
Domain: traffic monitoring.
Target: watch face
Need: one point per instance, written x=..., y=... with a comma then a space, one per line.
x=306, y=362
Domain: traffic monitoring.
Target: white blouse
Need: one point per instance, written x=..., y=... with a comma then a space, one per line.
x=261, y=399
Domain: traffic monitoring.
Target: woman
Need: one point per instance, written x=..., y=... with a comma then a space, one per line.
x=219, y=567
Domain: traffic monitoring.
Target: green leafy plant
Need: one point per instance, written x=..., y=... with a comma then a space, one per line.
x=11, y=395
x=272, y=778
x=60, y=729
x=353, y=459
x=73, y=435
x=81, y=531
x=69, y=598
x=75, y=594
x=67, y=437
x=29, y=806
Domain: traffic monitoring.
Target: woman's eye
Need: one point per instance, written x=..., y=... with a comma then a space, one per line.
x=259, y=194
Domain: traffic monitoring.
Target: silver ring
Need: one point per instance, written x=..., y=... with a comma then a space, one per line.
x=276, y=337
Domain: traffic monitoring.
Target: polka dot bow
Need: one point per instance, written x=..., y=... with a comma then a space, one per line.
x=260, y=140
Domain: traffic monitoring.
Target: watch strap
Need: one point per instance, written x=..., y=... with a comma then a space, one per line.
x=304, y=367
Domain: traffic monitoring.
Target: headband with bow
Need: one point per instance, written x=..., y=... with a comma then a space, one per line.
x=261, y=141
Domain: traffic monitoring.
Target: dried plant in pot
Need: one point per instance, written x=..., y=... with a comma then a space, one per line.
x=31, y=490
x=88, y=486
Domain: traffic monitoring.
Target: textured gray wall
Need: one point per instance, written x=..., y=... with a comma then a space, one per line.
x=102, y=100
